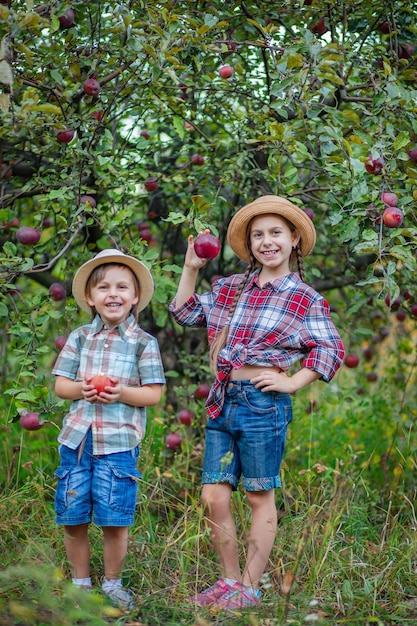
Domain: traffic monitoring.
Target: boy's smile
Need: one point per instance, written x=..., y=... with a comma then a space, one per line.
x=114, y=296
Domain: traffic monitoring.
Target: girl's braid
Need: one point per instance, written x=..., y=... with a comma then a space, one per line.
x=300, y=262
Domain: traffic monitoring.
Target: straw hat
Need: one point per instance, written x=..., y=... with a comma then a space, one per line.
x=113, y=256
x=237, y=230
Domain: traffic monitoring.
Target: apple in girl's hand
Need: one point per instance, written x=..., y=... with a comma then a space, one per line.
x=100, y=382
x=206, y=246
x=31, y=421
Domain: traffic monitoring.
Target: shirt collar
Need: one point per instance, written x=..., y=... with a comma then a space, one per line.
x=278, y=284
x=125, y=328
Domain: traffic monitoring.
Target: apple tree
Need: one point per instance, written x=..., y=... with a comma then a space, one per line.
x=133, y=124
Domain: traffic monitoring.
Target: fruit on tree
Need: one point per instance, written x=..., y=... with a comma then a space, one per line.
x=144, y=133
x=374, y=166
x=27, y=235
x=226, y=71
x=207, y=246
x=405, y=51
x=186, y=416
x=67, y=19
x=372, y=377
x=65, y=136
x=100, y=382
x=368, y=353
x=309, y=211
x=401, y=315
x=351, y=360
x=202, y=391
x=60, y=342
x=89, y=201
x=173, y=441
x=57, y=291
x=91, y=87
x=151, y=184
x=197, y=159
x=413, y=154
x=319, y=28
x=413, y=309
x=392, y=217
x=31, y=421
x=396, y=304
x=389, y=198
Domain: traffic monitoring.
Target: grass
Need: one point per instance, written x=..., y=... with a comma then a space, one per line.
x=345, y=551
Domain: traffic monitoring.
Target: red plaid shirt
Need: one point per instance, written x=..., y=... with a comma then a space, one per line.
x=279, y=324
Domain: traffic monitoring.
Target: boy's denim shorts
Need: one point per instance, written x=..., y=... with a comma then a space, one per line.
x=105, y=485
x=248, y=438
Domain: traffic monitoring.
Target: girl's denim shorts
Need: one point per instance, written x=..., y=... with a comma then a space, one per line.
x=104, y=486
x=248, y=438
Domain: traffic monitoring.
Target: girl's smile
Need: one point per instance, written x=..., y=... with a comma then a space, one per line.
x=272, y=242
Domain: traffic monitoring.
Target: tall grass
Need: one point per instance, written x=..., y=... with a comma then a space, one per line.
x=345, y=551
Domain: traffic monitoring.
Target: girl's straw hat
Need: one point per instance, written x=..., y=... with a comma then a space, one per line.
x=113, y=256
x=238, y=227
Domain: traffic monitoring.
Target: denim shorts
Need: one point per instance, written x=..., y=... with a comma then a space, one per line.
x=248, y=438
x=104, y=485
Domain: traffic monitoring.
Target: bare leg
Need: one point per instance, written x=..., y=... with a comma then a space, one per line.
x=262, y=534
x=216, y=500
x=77, y=547
x=114, y=550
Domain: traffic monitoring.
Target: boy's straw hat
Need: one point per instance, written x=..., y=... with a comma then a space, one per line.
x=238, y=227
x=113, y=256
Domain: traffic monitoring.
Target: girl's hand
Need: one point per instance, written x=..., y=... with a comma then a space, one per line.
x=273, y=380
x=191, y=259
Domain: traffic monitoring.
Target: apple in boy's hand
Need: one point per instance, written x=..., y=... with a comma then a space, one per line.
x=31, y=421
x=206, y=246
x=100, y=382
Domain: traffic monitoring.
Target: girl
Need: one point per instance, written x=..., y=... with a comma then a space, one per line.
x=259, y=325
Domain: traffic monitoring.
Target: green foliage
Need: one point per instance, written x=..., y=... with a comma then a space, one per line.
x=299, y=117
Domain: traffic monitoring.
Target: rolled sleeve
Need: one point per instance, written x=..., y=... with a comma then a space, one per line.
x=323, y=342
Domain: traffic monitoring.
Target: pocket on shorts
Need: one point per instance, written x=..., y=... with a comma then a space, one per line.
x=61, y=493
x=124, y=489
x=259, y=402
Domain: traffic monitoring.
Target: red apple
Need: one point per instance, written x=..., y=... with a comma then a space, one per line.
x=202, y=391
x=319, y=28
x=89, y=201
x=151, y=184
x=385, y=27
x=389, y=198
x=144, y=133
x=308, y=211
x=401, y=315
x=197, y=159
x=207, y=246
x=226, y=71
x=27, y=235
x=351, y=360
x=65, y=136
x=67, y=19
x=98, y=115
x=413, y=154
x=392, y=217
x=142, y=225
x=372, y=377
x=173, y=441
x=57, y=291
x=413, y=309
x=91, y=87
x=374, y=166
x=395, y=305
x=31, y=421
x=405, y=51
x=100, y=382
x=368, y=353
x=186, y=416
x=60, y=342
x=146, y=234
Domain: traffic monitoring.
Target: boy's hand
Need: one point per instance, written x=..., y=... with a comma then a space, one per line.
x=110, y=394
